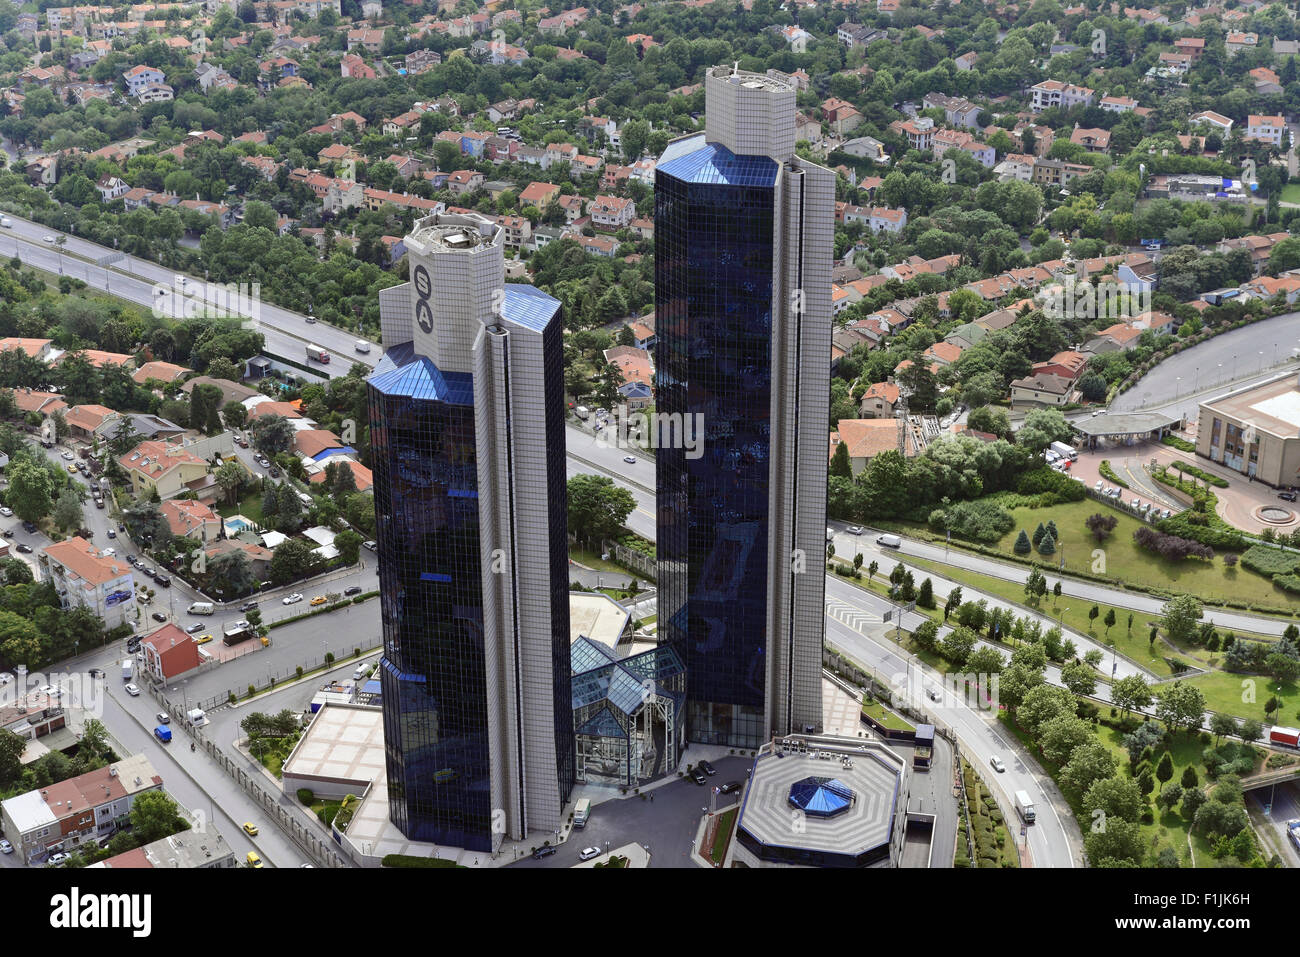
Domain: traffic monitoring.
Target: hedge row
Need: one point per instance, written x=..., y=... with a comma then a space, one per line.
x=1199, y=473
x=1108, y=473
x=1269, y=561
x=1174, y=442
x=333, y=606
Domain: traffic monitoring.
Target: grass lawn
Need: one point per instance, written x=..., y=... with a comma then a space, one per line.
x=1122, y=560
x=883, y=716
x=593, y=560
x=722, y=837
x=250, y=507
x=1168, y=828
x=1071, y=612
x=1291, y=193
x=1224, y=692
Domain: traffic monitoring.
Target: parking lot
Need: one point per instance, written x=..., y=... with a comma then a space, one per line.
x=666, y=825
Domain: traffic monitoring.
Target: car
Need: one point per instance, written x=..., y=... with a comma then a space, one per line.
x=24, y=548
x=195, y=628
x=72, y=470
x=370, y=546
x=1284, y=496
x=707, y=768
x=263, y=461
x=546, y=850
x=854, y=530
x=352, y=590
x=6, y=847
x=67, y=454
x=162, y=717
x=99, y=503
x=307, y=865
x=149, y=572
x=242, y=443
x=630, y=459
x=587, y=853
x=1098, y=486
x=729, y=787
x=253, y=860
x=291, y=599
x=318, y=600
x=273, y=472
x=933, y=693
x=112, y=534
x=158, y=616
x=698, y=776
x=95, y=672
x=310, y=320
x=202, y=639
x=109, y=552
x=164, y=581
x=360, y=672
x=997, y=764
x=250, y=829
x=29, y=527
x=248, y=606
x=133, y=690
x=9, y=533
x=121, y=527
x=57, y=859
x=1065, y=466
x=6, y=511
x=47, y=239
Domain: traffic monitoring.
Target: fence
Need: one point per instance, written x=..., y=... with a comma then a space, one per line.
x=289, y=819
x=633, y=559
x=272, y=678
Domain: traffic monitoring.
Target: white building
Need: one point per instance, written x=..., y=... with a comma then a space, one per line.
x=1052, y=93
x=83, y=577
x=1268, y=129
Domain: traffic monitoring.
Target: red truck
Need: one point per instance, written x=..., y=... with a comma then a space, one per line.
x=1286, y=736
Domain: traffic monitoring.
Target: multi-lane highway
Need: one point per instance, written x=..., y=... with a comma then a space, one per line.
x=137, y=280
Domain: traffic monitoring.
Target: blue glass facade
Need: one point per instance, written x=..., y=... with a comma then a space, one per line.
x=434, y=673
x=714, y=276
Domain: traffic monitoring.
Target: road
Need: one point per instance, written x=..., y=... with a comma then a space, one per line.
x=1234, y=359
x=135, y=280
x=1072, y=587
x=980, y=736
x=847, y=545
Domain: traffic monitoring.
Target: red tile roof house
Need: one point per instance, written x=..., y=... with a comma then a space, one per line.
x=157, y=369
x=612, y=212
x=99, y=359
x=169, y=652
x=361, y=475
x=878, y=401
x=88, y=421
x=36, y=348
x=83, y=578
x=1068, y=365
x=190, y=519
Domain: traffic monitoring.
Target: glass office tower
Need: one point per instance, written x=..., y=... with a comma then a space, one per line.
x=467, y=433
x=743, y=247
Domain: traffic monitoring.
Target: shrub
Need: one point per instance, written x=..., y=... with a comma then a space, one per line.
x=1175, y=442
x=1171, y=546
x=1023, y=546
x=982, y=521
x=1109, y=475
x=306, y=796
x=1269, y=561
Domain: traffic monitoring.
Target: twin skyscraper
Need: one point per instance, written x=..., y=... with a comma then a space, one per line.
x=467, y=435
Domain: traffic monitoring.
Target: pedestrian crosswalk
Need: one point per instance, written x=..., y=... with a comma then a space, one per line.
x=850, y=615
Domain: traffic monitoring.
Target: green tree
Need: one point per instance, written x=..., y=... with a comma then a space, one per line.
x=30, y=492
x=1130, y=693
x=67, y=511
x=1109, y=620
x=1180, y=705
x=1180, y=615
x=348, y=542
x=1089, y=762
x=597, y=508
x=12, y=747
x=1079, y=678
x=840, y=464
x=1022, y=546
x=272, y=434
x=293, y=559
x=1165, y=768
x=1117, y=798
x=154, y=816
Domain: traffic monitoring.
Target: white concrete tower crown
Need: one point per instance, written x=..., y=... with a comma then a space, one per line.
x=751, y=114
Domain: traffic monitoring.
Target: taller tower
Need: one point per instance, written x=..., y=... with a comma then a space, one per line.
x=467, y=432
x=744, y=240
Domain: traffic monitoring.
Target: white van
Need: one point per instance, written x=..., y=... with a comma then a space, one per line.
x=197, y=717
x=889, y=541
x=305, y=499
x=201, y=608
x=363, y=345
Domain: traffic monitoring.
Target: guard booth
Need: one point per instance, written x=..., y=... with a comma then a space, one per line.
x=923, y=756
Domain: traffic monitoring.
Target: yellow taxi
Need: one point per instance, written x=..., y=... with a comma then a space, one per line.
x=253, y=859
x=72, y=469
x=202, y=639
x=250, y=829
x=318, y=600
